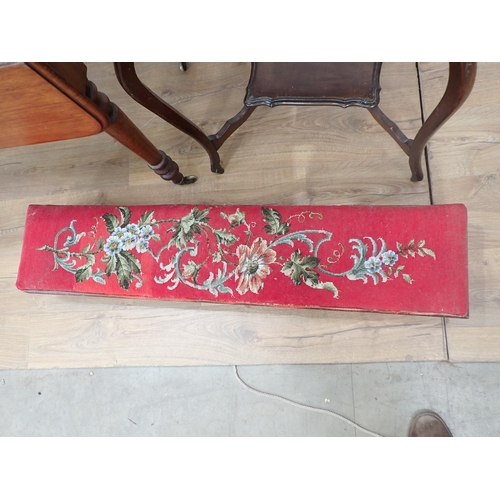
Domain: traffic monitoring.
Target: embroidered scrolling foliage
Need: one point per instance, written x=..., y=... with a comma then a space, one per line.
x=233, y=258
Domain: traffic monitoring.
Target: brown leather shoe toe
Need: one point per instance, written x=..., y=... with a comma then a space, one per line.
x=428, y=424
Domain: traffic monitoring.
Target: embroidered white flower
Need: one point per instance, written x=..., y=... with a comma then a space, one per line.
x=133, y=229
x=389, y=258
x=373, y=264
x=142, y=245
x=119, y=232
x=129, y=240
x=146, y=232
x=113, y=245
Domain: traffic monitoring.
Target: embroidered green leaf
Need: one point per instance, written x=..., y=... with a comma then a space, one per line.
x=132, y=261
x=428, y=251
x=407, y=278
x=156, y=237
x=200, y=216
x=126, y=215
x=300, y=269
x=86, y=248
x=100, y=244
x=226, y=238
x=111, y=222
x=83, y=273
x=398, y=269
x=178, y=239
x=123, y=270
x=421, y=253
x=411, y=252
x=421, y=243
x=309, y=261
x=182, y=236
x=90, y=259
x=273, y=219
x=313, y=284
x=401, y=250
x=124, y=278
x=188, y=226
x=331, y=287
x=186, y=223
x=412, y=242
x=146, y=218
x=111, y=267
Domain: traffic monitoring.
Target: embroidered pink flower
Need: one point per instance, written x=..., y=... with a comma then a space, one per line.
x=253, y=266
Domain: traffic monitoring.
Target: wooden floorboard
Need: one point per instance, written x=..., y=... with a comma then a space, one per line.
x=465, y=168
x=284, y=155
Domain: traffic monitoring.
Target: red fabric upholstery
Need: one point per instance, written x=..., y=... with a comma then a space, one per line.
x=372, y=258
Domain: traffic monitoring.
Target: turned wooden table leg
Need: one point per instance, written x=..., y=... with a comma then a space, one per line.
x=460, y=82
x=125, y=132
x=122, y=129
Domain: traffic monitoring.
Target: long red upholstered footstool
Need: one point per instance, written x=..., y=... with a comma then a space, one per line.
x=393, y=259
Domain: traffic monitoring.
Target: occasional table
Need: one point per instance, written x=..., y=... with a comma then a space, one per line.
x=311, y=84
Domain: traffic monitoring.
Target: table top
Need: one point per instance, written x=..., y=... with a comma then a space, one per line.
x=317, y=83
x=35, y=110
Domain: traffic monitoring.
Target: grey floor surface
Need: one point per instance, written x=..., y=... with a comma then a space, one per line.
x=209, y=401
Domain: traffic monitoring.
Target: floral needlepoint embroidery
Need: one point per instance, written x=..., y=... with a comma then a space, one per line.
x=223, y=255
x=114, y=245
x=373, y=264
x=253, y=266
x=389, y=258
x=129, y=240
x=142, y=245
x=234, y=219
x=146, y=233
